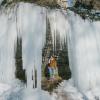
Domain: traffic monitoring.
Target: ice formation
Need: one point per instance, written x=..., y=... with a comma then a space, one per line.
x=83, y=44
x=8, y=36
x=28, y=22
x=31, y=21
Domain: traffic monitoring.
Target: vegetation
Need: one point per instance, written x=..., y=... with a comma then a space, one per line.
x=50, y=85
x=46, y=3
x=86, y=11
x=49, y=3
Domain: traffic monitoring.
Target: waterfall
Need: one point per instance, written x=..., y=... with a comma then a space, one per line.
x=8, y=39
x=59, y=25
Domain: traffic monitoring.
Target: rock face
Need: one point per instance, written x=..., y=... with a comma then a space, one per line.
x=56, y=3
x=62, y=3
x=95, y=3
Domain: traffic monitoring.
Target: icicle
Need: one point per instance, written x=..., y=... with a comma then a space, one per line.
x=32, y=20
x=8, y=38
x=59, y=25
x=85, y=61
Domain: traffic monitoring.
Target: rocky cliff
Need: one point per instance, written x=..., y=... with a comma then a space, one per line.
x=95, y=3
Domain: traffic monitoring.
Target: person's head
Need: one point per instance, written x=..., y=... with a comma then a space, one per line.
x=52, y=58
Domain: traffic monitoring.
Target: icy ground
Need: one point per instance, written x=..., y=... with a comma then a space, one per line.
x=20, y=92
x=65, y=91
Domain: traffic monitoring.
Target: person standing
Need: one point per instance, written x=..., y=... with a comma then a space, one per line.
x=53, y=66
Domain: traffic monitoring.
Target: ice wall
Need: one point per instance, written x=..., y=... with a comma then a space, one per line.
x=83, y=47
x=32, y=28
x=28, y=22
x=8, y=36
x=84, y=52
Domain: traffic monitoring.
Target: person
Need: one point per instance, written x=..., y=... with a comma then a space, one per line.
x=50, y=71
x=53, y=66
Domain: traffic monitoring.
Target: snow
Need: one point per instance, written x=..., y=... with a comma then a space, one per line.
x=20, y=92
x=4, y=88
x=65, y=91
x=28, y=22
x=8, y=39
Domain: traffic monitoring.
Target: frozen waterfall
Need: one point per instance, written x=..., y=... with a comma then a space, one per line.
x=84, y=52
x=8, y=36
x=83, y=46
x=32, y=28
x=28, y=22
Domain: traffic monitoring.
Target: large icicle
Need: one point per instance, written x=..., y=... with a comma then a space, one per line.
x=85, y=48
x=29, y=23
x=8, y=37
x=32, y=23
x=59, y=25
